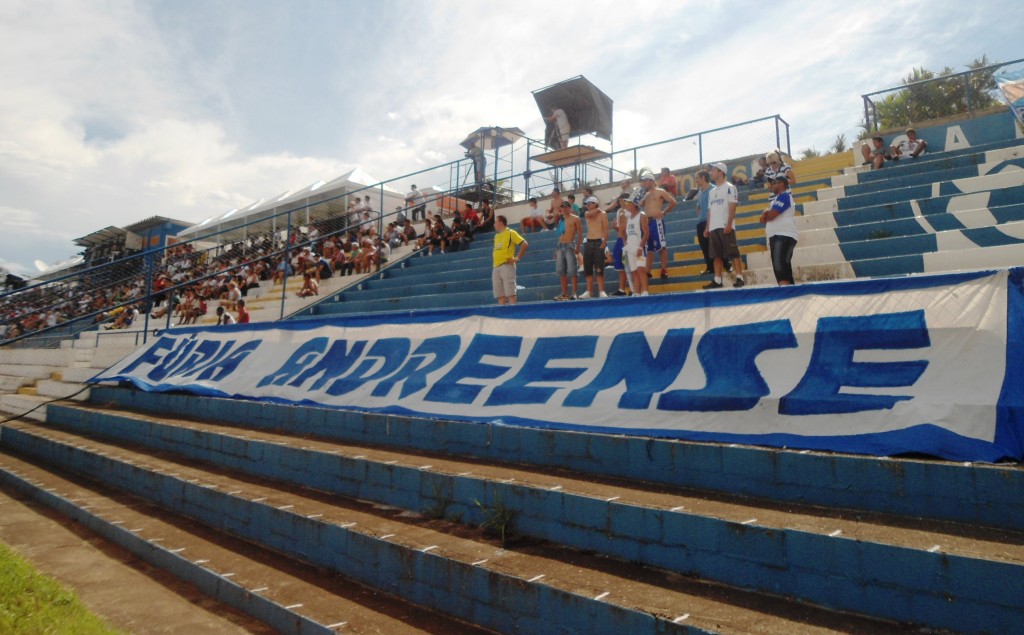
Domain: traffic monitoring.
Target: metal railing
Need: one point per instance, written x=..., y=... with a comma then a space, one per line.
x=963, y=93
x=273, y=231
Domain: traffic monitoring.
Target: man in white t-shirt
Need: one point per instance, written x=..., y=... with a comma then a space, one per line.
x=911, y=147
x=417, y=202
x=561, y=123
x=779, y=222
x=720, y=231
x=634, y=251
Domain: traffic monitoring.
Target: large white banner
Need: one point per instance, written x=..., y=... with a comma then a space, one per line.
x=882, y=367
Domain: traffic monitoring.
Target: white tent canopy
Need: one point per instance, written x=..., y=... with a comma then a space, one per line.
x=318, y=201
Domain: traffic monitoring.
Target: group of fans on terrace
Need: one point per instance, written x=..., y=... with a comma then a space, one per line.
x=189, y=281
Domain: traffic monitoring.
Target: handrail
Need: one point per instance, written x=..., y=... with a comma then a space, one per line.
x=969, y=71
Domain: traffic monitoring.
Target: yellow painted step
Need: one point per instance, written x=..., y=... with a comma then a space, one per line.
x=676, y=287
x=57, y=376
x=28, y=390
x=684, y=256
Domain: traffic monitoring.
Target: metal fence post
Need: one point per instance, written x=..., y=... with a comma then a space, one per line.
x=967, y=93
x=286, y=261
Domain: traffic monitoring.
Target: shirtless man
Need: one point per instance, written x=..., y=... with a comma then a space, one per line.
x=593, y=249
x=554, y=209
x=570, y=234
x=657, y=202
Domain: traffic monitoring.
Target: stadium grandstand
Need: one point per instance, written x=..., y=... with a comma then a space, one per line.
x=838, y=455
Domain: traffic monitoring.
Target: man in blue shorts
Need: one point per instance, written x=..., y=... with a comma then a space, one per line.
x=656, y=203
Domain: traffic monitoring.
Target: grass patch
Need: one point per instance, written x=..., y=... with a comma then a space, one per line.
x=497, y=520
x=31, y=602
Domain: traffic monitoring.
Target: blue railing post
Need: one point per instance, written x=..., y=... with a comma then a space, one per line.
x=286, y=261
x=700, y=148
x=967, y=93
x=148, y=263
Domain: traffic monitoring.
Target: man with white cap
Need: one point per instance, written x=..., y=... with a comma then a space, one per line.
x=594, y=245
x=779, y=222
x=721, y=231
x=637, y=229
x=657, y=202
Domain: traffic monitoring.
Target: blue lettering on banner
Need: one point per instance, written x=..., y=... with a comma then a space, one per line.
x=832, y=367
x=340, y=357
x=388, y=353
x=430, y=355
x=296, y=362
x=518, y=389
x=153, y=355
x=727, y=354
x=630, y=360
x=227, y=363
x=450, y=389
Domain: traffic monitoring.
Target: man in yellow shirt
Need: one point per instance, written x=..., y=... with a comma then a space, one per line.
x=503, y=277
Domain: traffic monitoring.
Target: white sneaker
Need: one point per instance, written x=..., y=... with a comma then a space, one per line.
x=643, y=295
x=584, y=295
x=603, y=295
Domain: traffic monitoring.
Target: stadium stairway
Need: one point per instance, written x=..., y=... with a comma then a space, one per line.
x=505, y=529
x=943, y=212
x=30, y=378
x=463, y=279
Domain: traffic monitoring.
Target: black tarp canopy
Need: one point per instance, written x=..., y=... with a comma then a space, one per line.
x=589, y=110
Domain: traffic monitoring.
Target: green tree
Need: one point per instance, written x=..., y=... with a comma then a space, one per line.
x=810, y=153
x=839, y=144
x=930, y=96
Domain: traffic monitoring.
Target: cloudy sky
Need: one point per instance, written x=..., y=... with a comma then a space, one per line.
x=112, y=111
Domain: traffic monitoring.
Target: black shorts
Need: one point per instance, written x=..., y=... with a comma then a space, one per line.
x=593, y=258
x=722, y=245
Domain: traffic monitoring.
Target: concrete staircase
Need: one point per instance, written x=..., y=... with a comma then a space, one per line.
x=517, y=530
x=954, y=211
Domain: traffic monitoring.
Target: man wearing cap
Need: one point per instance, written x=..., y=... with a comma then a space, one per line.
x=503, y=276
x=779, y=222
x=910, y=147
x=594, y=245
x=657, y=202
x=636, y=229
x=720, y=231
x=619, y=209
x=570, y=234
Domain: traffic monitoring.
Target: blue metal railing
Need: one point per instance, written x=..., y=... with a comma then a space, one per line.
x=513, y=172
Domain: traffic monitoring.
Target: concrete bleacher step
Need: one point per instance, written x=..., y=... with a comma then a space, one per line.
x=998, y=257
x=75, y=375
x=535, y=588
x=288, y=596
x=758, y=546
x=20, y=405
x=974, y=218
x=911, y=208
x=11, y=383
x=1011, y=178
x=966, y=166
x=935, y=162
x=59, y=389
